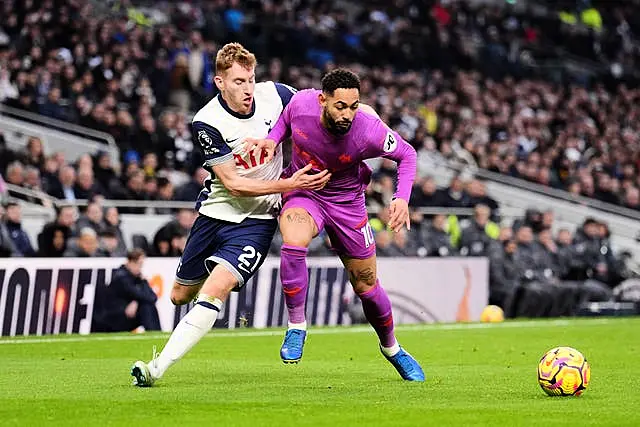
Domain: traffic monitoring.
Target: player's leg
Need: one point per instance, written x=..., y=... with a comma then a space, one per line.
x=377, y=309
x=375, y=302
x=351, y=236
x=241, y=252
x=300, y=222
x=193, y=326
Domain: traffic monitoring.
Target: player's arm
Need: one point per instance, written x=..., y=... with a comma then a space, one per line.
x=389, y=144
x=240, y=186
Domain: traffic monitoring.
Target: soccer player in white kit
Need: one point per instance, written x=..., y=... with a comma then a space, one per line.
x=237, y=206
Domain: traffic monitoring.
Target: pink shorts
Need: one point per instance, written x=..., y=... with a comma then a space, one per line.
x=346, y=223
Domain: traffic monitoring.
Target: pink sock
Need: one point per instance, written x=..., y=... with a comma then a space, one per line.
x=295, y=280
x=377, y=309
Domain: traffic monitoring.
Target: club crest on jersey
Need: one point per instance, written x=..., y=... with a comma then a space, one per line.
x=206, y=142
x=390, y=143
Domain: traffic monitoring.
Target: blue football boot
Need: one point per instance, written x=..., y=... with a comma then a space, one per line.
x=291, y=350
x=408, y=367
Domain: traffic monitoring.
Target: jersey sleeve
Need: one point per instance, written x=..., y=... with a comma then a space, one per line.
x=214, y=148
x=285, y=92
x=384, y=142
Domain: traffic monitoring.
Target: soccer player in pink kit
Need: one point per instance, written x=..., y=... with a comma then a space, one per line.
x=330, y=130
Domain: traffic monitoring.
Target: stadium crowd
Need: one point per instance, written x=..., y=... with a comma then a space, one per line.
x=450, y=78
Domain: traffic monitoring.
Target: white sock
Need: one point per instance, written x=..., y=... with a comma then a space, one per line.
x=391, y=351
x=193, y=326
x=302, y=326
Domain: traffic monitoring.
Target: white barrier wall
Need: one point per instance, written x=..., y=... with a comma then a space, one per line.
x=52, y=296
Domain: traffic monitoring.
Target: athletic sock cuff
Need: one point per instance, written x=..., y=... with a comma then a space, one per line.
x=294, y=250
x=209, y=302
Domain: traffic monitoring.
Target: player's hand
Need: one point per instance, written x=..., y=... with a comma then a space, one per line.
x=303, y=180
x=258, y=145
x=399, y=215
x=131, y=309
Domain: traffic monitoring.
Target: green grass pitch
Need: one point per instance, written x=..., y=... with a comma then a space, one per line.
x=476, y=375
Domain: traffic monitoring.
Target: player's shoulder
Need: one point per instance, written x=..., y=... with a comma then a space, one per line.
x=370, y=123
x=305, y=98
x=211, y=112
x=375, y=132
x=272, y=92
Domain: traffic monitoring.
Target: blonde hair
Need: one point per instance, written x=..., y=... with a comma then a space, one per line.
x=234, y=52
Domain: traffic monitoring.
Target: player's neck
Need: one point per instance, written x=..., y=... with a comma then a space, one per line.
x=235, y=111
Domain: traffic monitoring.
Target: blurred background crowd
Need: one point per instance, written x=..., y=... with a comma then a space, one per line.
x=462, y=81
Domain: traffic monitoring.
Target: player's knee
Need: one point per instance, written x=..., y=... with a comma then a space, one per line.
x=297, y=227
x=181, y=295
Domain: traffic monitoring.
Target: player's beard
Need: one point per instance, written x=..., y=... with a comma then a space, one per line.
x=336, y=128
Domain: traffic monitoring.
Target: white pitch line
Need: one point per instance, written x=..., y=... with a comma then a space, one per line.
x=318, y=331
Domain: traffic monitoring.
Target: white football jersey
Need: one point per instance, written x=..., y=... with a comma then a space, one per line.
x=220, y=132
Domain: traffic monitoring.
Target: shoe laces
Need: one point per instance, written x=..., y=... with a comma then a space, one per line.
x=405, y=361
x=294, y=339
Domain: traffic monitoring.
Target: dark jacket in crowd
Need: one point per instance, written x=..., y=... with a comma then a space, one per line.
x=437, y=243
x=474, y=241
x=20, y=239
x=111, y=303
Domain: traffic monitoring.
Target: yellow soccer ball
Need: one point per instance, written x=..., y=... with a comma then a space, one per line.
x=492, y=314
x=564, y=371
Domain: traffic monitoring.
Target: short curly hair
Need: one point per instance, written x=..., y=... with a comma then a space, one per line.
x=340, y=78
x=234, y=52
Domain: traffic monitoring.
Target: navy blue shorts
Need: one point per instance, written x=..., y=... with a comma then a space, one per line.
x=241, y=248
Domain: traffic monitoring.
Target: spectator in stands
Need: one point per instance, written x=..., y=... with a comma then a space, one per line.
x=165, y=194
x=34, y=153
x=49, y=175
x=15, y=176
x=52, y=241
x=108, y=244
x=384, y=241
x=6, y=155
x=92, y=218
x=104, y=174
x=86, y=245
x=424, y=194
x=536, y=297
x=52, y=107
x=13, y=224
x=401, y=245
x=85, y=187
x=476, y=238
x=180, y=94
x=169, y=240
x=454, y=196
x=65, y=190
x=436, y=240
x=7, y=246
x=504, y=278
x=135, y=191
x=112, y=222
x=189, y=191
x=128, y=303
x=477, y=195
